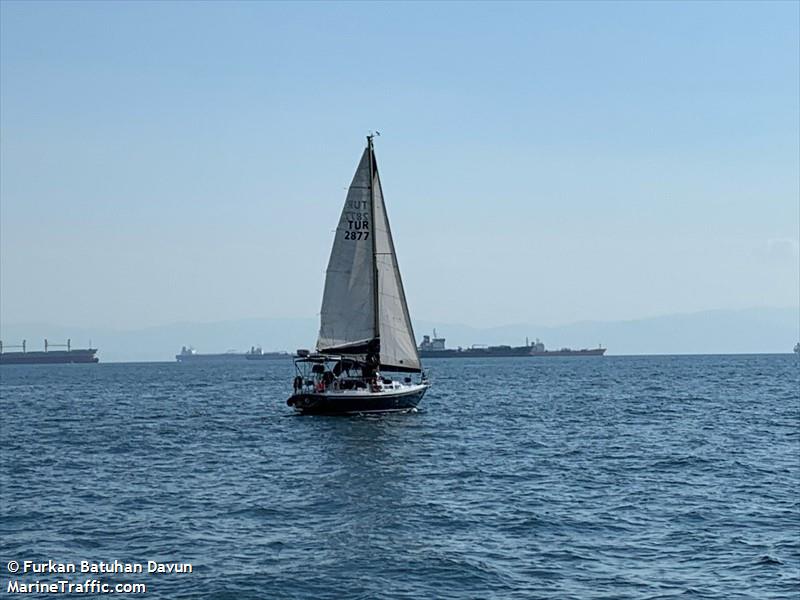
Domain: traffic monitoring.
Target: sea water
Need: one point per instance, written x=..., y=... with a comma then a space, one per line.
x=574, y=477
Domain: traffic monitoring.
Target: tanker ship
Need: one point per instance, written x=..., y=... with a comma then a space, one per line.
x=435, y=348
x=190, y=355
x=48, y=356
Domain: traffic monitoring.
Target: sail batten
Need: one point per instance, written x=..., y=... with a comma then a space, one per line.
x=364, y=308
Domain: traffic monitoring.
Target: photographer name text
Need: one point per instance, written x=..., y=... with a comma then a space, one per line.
x=98, y=567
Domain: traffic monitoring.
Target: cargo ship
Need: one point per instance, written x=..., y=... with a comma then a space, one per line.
x=47, y=356
x=189, y=354
x=435, y=348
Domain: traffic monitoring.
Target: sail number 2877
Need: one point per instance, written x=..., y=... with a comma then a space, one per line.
x=357, y=229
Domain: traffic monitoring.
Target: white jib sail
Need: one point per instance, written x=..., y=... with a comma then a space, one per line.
x=398, y=347
x=348, y=311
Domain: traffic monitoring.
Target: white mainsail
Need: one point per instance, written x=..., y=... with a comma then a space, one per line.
x=348, y=303
x=357, y=317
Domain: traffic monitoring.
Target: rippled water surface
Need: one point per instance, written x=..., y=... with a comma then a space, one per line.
x=614, y=477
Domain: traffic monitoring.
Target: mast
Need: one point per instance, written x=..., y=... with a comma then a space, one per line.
x=375, y=295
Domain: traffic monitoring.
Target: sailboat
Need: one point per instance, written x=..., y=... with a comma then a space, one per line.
x=365, y=329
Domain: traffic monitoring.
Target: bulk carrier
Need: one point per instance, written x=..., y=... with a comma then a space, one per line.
x=435, y=348
x=48, y=356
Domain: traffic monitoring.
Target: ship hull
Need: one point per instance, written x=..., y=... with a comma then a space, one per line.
x=230, y=357
x=202, y=358
x=350, y=403
x=592, y=352
x=52, y=357
x=506, y=353
x=268, y=356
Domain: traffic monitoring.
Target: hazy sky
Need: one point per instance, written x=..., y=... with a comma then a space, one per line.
x=542, y=162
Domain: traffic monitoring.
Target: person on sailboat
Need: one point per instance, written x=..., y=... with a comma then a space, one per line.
x=327, y=379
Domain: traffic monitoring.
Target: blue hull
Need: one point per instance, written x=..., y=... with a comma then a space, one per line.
x=329, y=404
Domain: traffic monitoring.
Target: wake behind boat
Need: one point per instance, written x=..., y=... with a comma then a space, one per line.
x=365, y=329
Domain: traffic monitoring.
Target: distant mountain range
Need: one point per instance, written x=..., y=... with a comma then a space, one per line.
x=754, y=330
